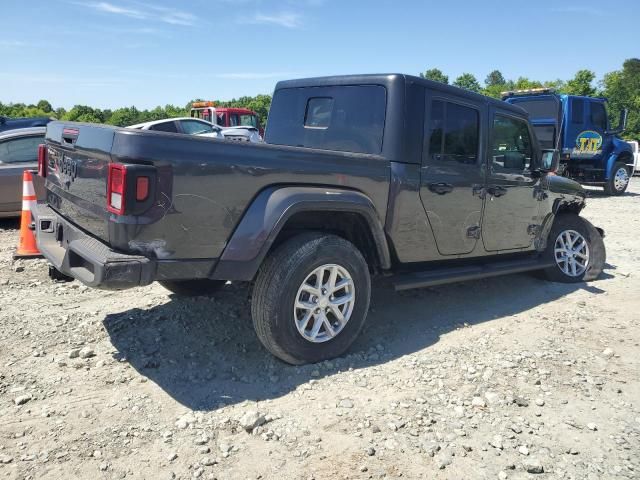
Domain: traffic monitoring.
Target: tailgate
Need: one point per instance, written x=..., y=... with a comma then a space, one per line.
x=78, y=159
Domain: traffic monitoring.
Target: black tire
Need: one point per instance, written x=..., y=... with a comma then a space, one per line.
x=597, y=252
x=610, y=187
x=276, y=287
x=193, y=288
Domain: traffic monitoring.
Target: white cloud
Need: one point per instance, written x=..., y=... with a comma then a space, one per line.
x=582, y=10
x=143, y=11
x=12, y=44
x=282, y=19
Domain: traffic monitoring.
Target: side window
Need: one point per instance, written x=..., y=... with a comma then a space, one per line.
x=222, y=119
x=20, y=149
x=235, y=121
x=164, y=127
x=577, y=111
x=598, y=116
x=453, y=133
x=511, y=147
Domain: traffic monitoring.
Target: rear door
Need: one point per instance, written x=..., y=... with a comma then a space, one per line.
x=452, y=173
x=511, y=209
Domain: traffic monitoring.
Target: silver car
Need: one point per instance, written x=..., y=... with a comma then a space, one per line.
x=18, y=152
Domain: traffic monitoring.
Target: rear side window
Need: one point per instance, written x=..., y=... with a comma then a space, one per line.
x=20, y=149
x=577, y=111
x=342, y=118
x=453, y=132
x=598, y=116
x=165, y=127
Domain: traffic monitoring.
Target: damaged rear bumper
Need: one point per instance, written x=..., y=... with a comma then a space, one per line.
x=79, y=255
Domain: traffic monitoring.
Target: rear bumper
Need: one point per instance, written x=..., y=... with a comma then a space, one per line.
x=81, y=256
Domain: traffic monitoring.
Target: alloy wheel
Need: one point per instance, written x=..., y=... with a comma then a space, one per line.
x=324, y=303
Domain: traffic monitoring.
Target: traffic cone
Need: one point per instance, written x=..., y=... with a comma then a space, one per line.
x=27, y=247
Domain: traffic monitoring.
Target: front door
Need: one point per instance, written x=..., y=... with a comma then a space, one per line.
x=452, y=174
x=511, y=218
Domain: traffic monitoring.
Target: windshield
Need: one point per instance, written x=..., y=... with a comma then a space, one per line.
x=193, y=127
x=539, y=108
x=249, y=120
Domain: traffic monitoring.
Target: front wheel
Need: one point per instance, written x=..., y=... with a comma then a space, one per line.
x=311, y=298
x=577, y=250
x=619, y=181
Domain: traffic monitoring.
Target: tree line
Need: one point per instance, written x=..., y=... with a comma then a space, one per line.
x=125, y=116
x=621, y=87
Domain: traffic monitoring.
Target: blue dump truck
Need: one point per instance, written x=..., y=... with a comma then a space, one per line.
x=591, y=151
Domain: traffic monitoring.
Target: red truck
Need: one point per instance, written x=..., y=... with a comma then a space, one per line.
x=226, y=117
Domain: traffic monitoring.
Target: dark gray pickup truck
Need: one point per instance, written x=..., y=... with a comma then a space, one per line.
x=386, y=175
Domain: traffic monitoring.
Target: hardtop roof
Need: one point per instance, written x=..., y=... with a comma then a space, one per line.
x=393, y=79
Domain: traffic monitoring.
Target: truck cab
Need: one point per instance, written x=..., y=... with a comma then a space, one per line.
x=226, y=117
x=591, y=151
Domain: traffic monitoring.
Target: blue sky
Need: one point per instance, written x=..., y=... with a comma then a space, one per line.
x=145, y=53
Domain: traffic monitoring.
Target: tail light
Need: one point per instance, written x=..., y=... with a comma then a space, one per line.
x=116, y=188
x=130, y=188
x=42, y=160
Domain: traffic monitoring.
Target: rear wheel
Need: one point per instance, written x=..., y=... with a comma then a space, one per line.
x=311, y=298
x=619, y=181
x=577, y=250
x=193, y=288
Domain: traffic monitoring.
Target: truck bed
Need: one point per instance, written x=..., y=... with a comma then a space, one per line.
x=202, y=186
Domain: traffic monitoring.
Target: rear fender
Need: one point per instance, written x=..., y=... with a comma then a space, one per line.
x=269, y=212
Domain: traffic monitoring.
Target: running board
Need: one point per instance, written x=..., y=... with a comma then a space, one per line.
x=441, y=276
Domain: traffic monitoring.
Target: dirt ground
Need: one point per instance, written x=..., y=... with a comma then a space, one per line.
x=510, y=377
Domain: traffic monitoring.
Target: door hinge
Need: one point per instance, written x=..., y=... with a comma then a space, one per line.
x=473, y=232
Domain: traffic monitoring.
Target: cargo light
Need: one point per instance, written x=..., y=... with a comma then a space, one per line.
x=42, y=160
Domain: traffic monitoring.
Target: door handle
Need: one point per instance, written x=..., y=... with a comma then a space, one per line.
x=440, y=188
x=496, y=191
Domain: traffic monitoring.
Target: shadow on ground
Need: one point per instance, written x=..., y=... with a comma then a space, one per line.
x=204, y=353
x=9, y=223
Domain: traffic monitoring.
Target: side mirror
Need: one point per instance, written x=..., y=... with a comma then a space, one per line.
x=622, y=123
x=550, y=160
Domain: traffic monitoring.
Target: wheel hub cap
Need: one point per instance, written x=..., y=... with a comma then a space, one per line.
x=621, y=179
x=571, y=253
x=324, y=303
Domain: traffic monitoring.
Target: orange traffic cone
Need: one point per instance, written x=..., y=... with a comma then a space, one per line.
x=27, y=247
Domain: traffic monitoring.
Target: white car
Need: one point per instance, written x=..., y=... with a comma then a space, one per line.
x=636, y=156
x=196, y=126
x=186, y=125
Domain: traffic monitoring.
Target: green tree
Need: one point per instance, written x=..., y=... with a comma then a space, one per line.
x=45, y=106
x=123, y=117
x=622, y=89
x=581, y=84
x=495, y=78
x=468, y=82
x=436, y=75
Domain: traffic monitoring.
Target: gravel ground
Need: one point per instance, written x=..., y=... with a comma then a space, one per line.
x=509, y=377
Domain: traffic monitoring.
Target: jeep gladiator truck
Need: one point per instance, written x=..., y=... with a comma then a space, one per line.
x=592, y=152
x=362, y=175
